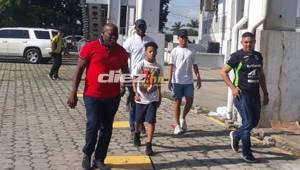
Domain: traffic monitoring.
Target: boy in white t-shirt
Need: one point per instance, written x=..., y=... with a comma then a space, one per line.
x=181, y=79
x=147, y=94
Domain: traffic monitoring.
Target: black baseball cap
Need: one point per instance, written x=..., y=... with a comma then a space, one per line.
x=140, y=22
x=182, y=33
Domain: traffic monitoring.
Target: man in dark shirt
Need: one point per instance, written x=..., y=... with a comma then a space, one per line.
x=248, y=69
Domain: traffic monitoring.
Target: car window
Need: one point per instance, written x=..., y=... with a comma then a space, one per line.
x=42, y=35
x=14, y=34
x=4, y=33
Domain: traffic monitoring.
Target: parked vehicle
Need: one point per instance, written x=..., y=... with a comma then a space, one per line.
x=33, y=44
x=72, y=41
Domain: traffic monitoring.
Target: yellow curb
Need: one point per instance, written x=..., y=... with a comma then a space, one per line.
x=129, y=162
x=256, y=140
x=121, y=124
x=282, y=151
x=62, y=68
x=216, y=121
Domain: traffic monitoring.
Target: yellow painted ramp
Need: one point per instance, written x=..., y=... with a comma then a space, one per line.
x=121, y=124
x=129, y=162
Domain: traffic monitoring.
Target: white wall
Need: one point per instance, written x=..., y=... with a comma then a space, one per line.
x=298, y=8
x=282, y=68
x=221, y=25
x=281, y=14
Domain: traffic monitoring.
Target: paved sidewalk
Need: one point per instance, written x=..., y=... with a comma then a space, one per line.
x=38, y=131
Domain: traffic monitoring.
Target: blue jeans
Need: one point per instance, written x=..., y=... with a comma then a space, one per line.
x=132, y=116
x=249, y=108
x=100, y=115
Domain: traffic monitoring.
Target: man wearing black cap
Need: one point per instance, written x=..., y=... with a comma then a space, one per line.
x=181, y=79
x=134, y=45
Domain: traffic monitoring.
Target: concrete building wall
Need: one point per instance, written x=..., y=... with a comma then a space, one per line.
x=214, y=25
x=298, y=17
x=217, y=28
x=282, y=68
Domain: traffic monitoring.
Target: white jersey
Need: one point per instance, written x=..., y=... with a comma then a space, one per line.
x=183, y=60
x=135, y=46
x=153, y=75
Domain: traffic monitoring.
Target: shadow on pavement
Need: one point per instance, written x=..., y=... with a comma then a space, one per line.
x=220, y=161
x=195, y=134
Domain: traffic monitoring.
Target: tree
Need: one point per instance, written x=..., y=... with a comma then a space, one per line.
x=193, y=23
x=176, y=27
x=164, y=11
x=62, y=14
x=193, y=26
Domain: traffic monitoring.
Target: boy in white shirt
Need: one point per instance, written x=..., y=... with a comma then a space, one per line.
x=181, y=79
x=134, y=45
x=147, y=94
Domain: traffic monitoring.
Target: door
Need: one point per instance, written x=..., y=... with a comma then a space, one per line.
x=17, y=42
x=3, y=42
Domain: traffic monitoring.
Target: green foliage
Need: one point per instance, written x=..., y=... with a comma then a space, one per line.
x=164, y=11
x=176, y=27
x=193, y=23
x=59, y=14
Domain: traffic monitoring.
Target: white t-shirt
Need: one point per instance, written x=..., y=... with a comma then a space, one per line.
x=135, y=46
x=153, y=76
x=183, y=60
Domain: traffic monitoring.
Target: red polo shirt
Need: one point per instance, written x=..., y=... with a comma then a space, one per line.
x=102, y=61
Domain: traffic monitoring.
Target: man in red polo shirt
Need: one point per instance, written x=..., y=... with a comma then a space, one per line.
x=101, y=93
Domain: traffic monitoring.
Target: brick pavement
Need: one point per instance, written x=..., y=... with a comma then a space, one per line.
x=38, y=130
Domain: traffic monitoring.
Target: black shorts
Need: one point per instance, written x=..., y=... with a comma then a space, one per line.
x=146, y=112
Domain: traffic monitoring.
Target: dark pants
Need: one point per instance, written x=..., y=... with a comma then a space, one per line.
x=57, y=60
x=100, y=115
x=132, y=116
x=249, y=108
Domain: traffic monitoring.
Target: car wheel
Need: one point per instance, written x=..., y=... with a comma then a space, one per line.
x=32, y=55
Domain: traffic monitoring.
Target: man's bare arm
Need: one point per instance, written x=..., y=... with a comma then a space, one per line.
x=81, y=65
x=224, y=74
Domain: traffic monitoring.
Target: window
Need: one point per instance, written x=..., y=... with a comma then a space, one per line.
x=4, y=34
x=20, y=34
x=42, y=35
x=14, y=34
x=297, y=22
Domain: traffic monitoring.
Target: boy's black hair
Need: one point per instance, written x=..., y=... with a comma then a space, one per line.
x=248, y=34
x=151, y=44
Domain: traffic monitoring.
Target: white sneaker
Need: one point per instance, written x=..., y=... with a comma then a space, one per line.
x=183, y=124
x=177, y=130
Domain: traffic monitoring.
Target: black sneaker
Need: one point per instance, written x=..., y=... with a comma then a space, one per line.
x=249, y=158
x=234, y=142
x=149, y=150
x=100, y=165
x=56, y=77
x=50, y=77
x=86, y=162
x=137, y=140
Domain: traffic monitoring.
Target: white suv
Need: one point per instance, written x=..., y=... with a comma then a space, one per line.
x=34, y=44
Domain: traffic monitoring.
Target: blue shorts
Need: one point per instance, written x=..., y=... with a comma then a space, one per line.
x=146, y=112
x=182, y=90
